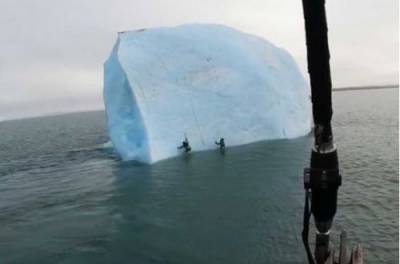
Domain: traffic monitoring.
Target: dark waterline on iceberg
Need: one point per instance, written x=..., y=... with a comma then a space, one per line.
x=64, y=198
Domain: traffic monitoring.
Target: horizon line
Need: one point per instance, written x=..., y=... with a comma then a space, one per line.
x=337, y=89
x=368, y=87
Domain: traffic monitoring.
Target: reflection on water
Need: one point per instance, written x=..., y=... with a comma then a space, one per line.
x=209, y=208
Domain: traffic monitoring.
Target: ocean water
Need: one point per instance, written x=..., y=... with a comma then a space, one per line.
x=65, y=198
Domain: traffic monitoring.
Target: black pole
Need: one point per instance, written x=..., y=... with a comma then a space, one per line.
x=318, y=60
x=322, y=179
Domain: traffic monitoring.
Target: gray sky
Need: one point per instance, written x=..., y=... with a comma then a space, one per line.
x=52, y=51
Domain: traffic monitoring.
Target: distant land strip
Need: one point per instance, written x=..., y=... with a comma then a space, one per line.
x=372, y=87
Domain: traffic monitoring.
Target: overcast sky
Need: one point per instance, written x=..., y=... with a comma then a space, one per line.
x=52, y=51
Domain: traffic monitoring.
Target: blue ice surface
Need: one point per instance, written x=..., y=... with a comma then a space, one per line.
x=202, y=82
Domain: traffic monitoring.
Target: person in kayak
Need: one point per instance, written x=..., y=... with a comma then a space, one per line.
x=221, y=143
x=185, y=145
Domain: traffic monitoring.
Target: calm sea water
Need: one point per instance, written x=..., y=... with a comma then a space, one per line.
x=66, y=199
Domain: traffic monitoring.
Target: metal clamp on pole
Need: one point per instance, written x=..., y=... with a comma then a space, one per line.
x=321, y=178
x=321, y=183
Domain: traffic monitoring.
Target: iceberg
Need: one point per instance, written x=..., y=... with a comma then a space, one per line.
x=201, y=82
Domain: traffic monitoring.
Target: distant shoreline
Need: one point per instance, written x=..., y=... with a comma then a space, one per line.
x=56, y=114
x=338, y=89
x=372, y=87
